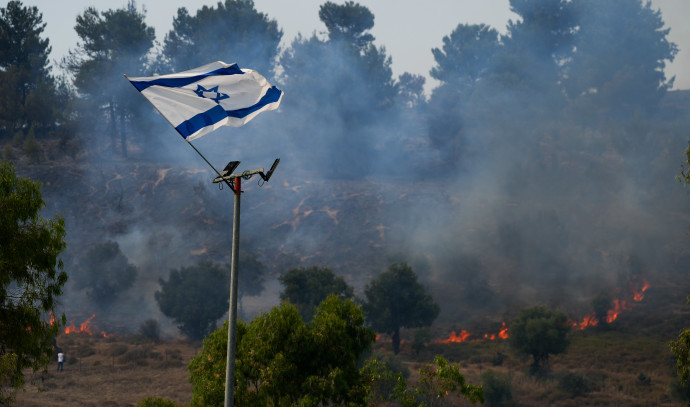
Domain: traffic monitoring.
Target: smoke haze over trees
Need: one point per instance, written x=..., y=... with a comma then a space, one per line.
x=542, y=161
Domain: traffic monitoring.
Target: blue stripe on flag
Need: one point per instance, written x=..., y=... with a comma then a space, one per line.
x=271, y=96
x=180, y=82
x=201, y=120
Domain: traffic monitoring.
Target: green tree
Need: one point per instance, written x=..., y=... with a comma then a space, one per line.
x=466, y=56
x=104, y=272
x=536, y=47
x=497, y=388
x=281, y=360
x=539, y=332
x=31, y=277
x=463, y=63
x=315, y=70
x=680, y=347
x=111, y=43
x=233, y=31
x=306, y=288
x=395, y=299
x=195, y=297
x=622, y=49
x=436, y=381
x=28, y=93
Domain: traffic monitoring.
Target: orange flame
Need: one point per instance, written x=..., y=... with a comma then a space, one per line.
x=588, y=321
x=464, y=336
x=503, y=333
x=85, y=327
x=455, y=338
x=52, y=319
x=618, y=306
x=638, y=295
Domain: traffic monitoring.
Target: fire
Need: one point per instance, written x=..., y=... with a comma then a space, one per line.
x=84, y=327
x=464, y=336
x=588, y=321
x=455, y=338
x=503, y=333
x=638, y=294
x=618, y=306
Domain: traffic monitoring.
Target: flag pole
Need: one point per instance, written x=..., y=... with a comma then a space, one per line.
x=227, y=175
x=232, y=312
x=224, y=179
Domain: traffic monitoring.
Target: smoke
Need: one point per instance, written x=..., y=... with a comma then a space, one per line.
x=524, y=204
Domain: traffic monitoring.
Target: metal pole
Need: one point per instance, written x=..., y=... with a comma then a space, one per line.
x=232, y=313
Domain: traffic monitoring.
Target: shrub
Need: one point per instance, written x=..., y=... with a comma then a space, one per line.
x=194, y=297
x=118, y=349
x=150, y=329
x=574, y=384
x=105, y=272
x=497, y=388
x=643, y=379
x=422, y=336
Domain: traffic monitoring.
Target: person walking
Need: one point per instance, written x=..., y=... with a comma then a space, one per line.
x=61, y=359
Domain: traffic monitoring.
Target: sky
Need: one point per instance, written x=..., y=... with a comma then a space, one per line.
x=408, y=29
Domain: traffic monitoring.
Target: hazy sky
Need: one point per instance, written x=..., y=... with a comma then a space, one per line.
x=408, y=29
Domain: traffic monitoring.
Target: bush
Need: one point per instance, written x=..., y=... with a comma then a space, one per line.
x=105, y=272
x=574, y=384
x=497, y=388
x=195, y=297
x=150, y=329
x=118, y=349
x=393, y=363
x=422, y=336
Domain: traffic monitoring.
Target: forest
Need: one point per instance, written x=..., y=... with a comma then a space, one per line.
x=542, y=179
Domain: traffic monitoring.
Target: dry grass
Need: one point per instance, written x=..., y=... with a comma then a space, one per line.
x=112, y=372
x=622, y=366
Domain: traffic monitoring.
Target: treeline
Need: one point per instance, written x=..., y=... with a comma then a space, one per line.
x=578, y=61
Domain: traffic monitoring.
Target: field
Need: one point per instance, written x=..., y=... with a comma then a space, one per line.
x=611, y=366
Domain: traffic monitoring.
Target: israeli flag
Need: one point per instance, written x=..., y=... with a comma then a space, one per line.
x=200, y=100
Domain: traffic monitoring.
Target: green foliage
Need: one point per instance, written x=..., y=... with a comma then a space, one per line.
x=111, y=43
x=250, y=37
x=539, y=331
x=349, y=56
x=104, y=272
x=466, y=55
x=395, y=299
x=574, y=384
x=435, y=383
x=348, y=23
x=421, y=337
x=680, y=347
x=31, y=147
x=497, y=388
x=306, y=288
x=622, y=50
x=156, y=402
x=31, y=276
x=281, y=360
x=195, y=297
x=28, y=93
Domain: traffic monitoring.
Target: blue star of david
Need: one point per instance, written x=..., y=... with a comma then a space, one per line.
x=203, y=92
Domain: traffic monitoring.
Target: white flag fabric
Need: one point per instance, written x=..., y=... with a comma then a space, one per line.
x=200, y=100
